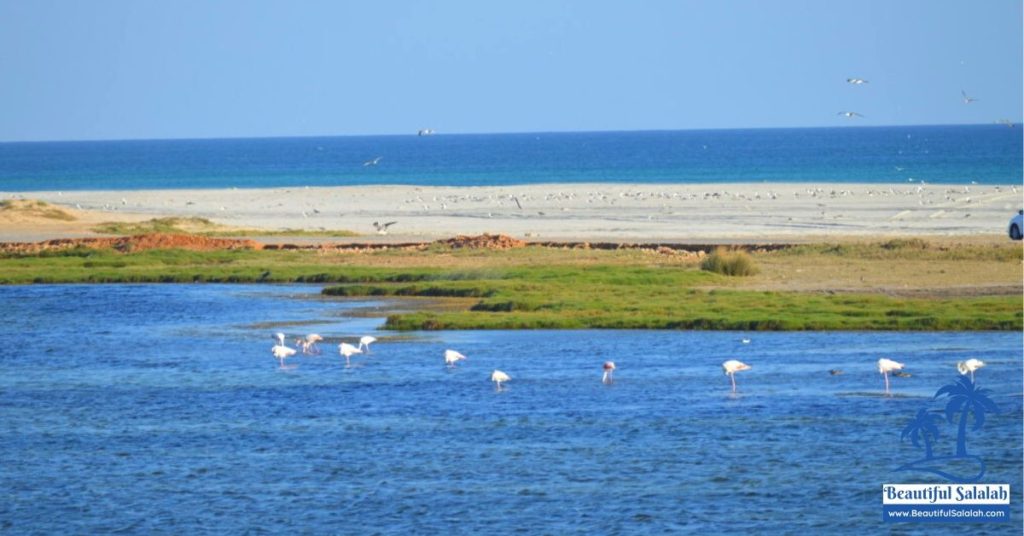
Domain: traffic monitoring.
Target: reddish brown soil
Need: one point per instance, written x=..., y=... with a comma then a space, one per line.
x=134, y=243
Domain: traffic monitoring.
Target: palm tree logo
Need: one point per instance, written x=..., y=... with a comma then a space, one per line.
x=923, y=427
x=963, y=397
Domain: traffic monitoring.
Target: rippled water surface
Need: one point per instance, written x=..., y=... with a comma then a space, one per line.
x=159, y=409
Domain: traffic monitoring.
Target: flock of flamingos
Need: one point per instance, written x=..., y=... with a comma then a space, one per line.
x=308, y=345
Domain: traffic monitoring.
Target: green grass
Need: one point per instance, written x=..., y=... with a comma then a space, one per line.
x=532, y=288
x=205, y=227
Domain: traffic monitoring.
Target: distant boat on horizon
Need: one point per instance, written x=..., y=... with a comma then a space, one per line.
x=426, y=132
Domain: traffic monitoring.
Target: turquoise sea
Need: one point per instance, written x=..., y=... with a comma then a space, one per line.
x=985, y=154
x=158, y=409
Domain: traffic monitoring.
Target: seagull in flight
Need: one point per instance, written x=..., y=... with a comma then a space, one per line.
x=382, y=228
x=373, y=162
x=850, y=115
x=856, y=81
x=967, y=100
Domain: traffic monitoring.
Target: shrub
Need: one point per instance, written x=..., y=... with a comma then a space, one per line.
x=732, y=263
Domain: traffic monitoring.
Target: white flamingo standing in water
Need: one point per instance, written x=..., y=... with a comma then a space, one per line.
x=280, y=351
x=731, y=367
x=348, y=351
x=969, y=366
x=885, y=366
x=499, y=377
x=366, y=341
x=308, y=344
x=451, y=357
x=609, y=367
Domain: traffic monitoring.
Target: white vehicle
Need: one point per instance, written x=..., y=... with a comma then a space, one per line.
x=1017, y=226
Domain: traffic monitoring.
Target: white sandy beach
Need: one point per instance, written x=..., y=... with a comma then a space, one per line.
x=612, y=212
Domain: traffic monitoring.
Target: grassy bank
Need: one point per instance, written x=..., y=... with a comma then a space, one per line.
x=882, y=286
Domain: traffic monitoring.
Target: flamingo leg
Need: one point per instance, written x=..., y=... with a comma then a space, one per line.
x=886, y=376
x=732, y=378
x=972, y=376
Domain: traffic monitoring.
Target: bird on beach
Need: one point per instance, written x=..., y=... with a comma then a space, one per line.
x=280, y=351
x=499, y=377
x=348, y=351
x=451, y=357
x=969, y=366
x=856, y=81
x=886, y=366
x=850, y=115
x=382, y=228
x=731, y=367
x=609, y=367
x=967, y=100
x=373, y=162
x=365, y=341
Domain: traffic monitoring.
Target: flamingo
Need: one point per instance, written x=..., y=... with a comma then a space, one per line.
x=498, y=377
x=365, y=342
x=731, y=367
x=308, y=343
x=609, y=367
x=348, y=351
x=280, y=351
x=451, y=357
x=969, y=366
x=885, y=366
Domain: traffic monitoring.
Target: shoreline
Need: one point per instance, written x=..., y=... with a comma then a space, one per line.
x=557, y=212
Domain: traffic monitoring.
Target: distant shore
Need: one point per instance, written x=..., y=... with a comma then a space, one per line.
x=598, y=211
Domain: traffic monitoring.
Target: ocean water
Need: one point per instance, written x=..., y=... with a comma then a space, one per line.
x=151, y=409
x=986, y=154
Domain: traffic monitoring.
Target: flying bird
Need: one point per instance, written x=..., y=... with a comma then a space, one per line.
x=967, y=100
x=373, y=162
x=348, y=351
x=451, y=357
x=382, y=228
x=969, y=366
x=886, y=366
x=856, y=81
x=499, y=377
x=365, y=341
x=850, y=115
x=609, y=367
x=731, y=367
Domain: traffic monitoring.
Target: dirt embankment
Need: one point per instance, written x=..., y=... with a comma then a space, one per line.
x=133, y=243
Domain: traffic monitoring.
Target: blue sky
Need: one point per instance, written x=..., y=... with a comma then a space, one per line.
x=142, y=69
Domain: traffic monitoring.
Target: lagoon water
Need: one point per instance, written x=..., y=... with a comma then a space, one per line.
x=960, y=154
x=159, y=409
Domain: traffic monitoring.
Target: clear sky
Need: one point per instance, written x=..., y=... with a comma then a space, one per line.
x=75, y=70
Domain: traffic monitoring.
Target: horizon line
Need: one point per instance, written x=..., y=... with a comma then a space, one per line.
x=481, y=133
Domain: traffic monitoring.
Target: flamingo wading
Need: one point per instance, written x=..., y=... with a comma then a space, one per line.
x=969, y=366
x=885, y=366
x=731, y=367
x=499, y=377
x=347, y=350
